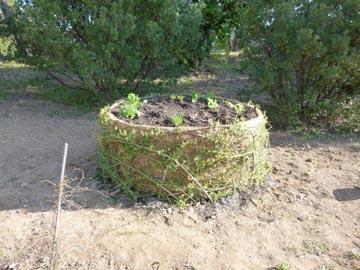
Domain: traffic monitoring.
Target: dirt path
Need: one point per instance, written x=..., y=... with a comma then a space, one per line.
x=31, y=141
x=309, y=216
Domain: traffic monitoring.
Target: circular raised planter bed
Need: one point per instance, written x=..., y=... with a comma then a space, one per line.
x=185, y=163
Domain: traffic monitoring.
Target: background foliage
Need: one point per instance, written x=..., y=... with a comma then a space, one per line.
x=305, y=54
x=6, y=41
x=221, y=18
x=106, y=45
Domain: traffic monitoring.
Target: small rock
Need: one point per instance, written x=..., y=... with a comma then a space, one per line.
x=168, y=221
x=308, y=160
x=151, y=200
x=94, y=185
x=224, y=201
x=11, y=266
x=24, y=185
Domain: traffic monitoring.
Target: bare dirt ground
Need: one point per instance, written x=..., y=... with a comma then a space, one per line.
x=309, y=214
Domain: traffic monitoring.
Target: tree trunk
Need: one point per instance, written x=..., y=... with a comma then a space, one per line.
x=233, y=40
x=6, y=10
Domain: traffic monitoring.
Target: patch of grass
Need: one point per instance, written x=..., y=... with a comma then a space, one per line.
x=77, y=98
x=349, y=120
x=3, y=95
x=11, y=64
x=226, y=61
x=315, y=247
x=18, y=79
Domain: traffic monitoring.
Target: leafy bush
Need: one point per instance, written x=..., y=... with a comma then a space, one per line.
x=221, y=17
x=305, y=54
x=107, y=45
x=6, y=48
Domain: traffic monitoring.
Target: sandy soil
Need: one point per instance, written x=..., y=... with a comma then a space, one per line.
x=308, y=215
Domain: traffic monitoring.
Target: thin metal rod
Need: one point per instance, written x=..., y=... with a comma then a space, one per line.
x=58, y=209
x=64, y=162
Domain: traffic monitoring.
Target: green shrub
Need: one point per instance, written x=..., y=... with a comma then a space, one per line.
x=5, y=47
x=6, y=44
x=305, y=54
x=107, y=46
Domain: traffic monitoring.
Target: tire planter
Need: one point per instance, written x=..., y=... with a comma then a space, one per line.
x=182, y=164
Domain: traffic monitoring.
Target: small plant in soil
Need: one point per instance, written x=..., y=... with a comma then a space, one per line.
x=194, y=97
x=128, y=110
x=239, y=108
x=212, y=103
x=284, y=266
x=134, y=100
x=157, y=110
x=180, y=98
x=175, y=98
x=130, y=107
x=177, y=119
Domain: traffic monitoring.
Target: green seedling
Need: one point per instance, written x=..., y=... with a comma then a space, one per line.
x=129, y=110
x=229, y=104
x=239, y=108
x=177, y=119
x=180, y=98
x=212, y=103
x=177, y=98
x=173, y=98
x=284, y=266
x=134, y=100
x=194, y=97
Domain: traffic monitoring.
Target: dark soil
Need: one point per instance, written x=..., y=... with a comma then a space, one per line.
x=159, y=110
